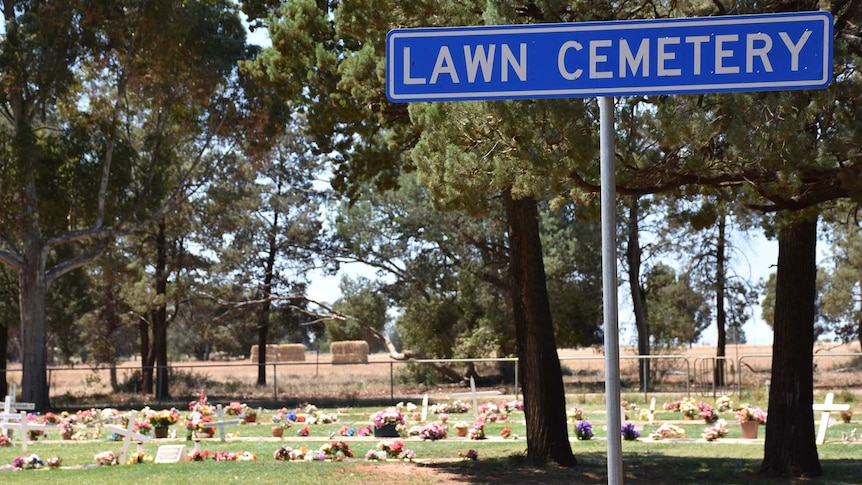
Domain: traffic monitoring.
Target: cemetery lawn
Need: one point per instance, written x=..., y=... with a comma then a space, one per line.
x=501, y=462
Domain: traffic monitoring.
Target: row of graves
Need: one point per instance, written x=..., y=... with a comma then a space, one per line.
x=180, y=436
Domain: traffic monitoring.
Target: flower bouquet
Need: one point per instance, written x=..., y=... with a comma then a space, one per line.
x=388, y=416
x=477, y=431
x=715, y=432
x=164, y=418
x=432, y=432
x=584, y=430
x=724, y=404
x=197, y=423
x=337, y=450
x=746, y=412
x=707, y=412
x=576, y=414
x=667, y=431
x=688, y=407
x=390, y=450
x=629, y=432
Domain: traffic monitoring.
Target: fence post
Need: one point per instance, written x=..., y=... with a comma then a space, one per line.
x=274, y=382
x=516, y=379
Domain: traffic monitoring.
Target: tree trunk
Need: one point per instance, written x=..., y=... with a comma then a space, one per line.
x=790, y=449
x=33, y=288
x=541, y=377
x=720, y=313
x=4, y=357
x=147, y=359
x=263, y=315
x=160, y=316
x=633, y=257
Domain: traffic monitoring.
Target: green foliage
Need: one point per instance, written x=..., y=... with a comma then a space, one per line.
x=676, y=311
x=842, y=281
x=364, y=307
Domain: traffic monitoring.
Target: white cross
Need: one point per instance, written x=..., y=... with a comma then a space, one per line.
x=11, y=403
x=128, y=433
x=425, y=408
x=25, y=428
x=651, y=410
x=827, y=407
x=7, y=415
x=221, y=423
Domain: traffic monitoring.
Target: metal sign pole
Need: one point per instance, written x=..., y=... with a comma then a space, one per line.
x=609, y=289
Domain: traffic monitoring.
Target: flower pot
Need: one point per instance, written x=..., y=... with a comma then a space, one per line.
x=203, y=434
x=66, y=435
x=277, y=431
x=251, y=418
x=749, y=429
x=386, y=431
x=160, y=431
x=462, y=432
x=688, y=418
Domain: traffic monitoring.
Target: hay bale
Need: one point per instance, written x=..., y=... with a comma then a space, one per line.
x=271, y=353
x=291, y=353
x=350, y=352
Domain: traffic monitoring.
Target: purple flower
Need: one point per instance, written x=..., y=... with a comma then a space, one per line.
x=584, y=430
x=629, y=432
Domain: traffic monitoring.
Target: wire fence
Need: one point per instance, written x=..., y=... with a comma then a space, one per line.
x=385, y=379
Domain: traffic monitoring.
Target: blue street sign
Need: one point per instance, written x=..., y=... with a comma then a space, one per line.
x=671, y=56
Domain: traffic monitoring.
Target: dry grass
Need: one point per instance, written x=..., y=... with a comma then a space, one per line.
x=321, y=376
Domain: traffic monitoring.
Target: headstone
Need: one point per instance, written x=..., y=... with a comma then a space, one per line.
x=221, y=423
x=424, y=408
x=128, y=433
x=827, y=407
x=25, y=428
x=171, y=454
x=651, y=410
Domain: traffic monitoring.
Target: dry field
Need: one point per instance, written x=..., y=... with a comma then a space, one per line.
x=383, y=378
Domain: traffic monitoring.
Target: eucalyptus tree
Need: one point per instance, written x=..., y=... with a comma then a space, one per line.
x=444, y=271
x=267, y=229
x=704, y=229
x=95, y=97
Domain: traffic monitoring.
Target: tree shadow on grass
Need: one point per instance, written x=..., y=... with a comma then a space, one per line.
x=638, y=469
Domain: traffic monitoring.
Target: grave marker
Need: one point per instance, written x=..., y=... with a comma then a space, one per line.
x=221, y=423
x=25, y=429
x=7, y=415
x=473, y=393
x=171, y=454
x=128, y=433
x=424, y=408
x=651, y=410
x=13, y=404
x=827, y=407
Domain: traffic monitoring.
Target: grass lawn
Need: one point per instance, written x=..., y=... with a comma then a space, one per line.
x=500, y=461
